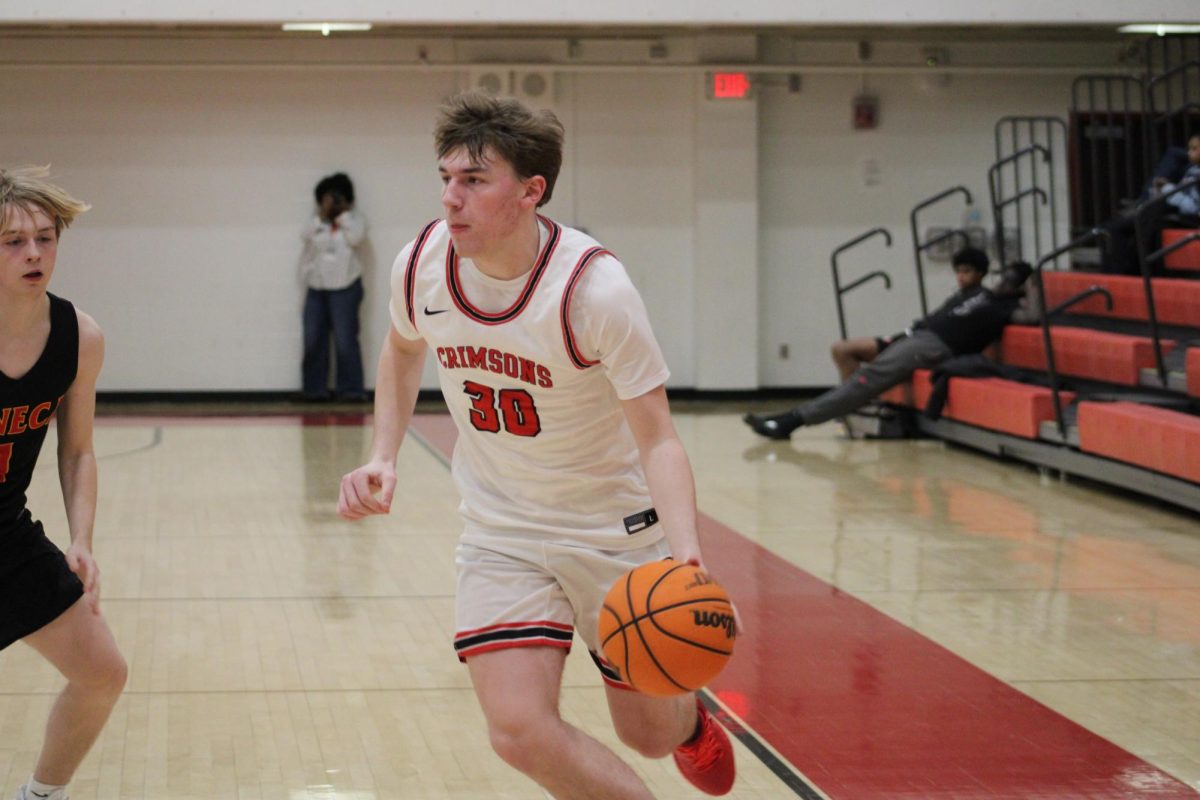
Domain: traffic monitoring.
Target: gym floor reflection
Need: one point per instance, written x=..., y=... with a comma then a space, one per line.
x=921, y=621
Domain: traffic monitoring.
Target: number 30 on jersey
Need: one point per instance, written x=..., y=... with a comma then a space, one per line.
x=511, y=408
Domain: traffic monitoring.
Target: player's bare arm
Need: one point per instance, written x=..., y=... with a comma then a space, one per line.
x=77, y=459
x=368, y=490
x=668, y=471
x=669, y=475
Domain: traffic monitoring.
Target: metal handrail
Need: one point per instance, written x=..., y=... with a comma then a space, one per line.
x=1170, y=62
x=1081, y=296
x=887, y=280
x=1160, y=362
x=959, y=232
x=919, y=247
x=1162, y=253
x=1051, y=369
x=1022, y=195
x=1083, y=80
x=1182, y=186
x=1031, y=125
x=942, y=196
x=1164, y=76
x=999, y=205
x=1024, y=151
x=1141, y=236
x=1167, y=116
x=1139, y=211
x=838, y=289
x=1110, y=99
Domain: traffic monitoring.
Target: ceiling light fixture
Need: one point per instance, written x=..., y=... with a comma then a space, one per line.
x=326, y=28
x=1158, y=28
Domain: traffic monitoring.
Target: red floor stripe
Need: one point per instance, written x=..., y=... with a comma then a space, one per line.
x=868, y=709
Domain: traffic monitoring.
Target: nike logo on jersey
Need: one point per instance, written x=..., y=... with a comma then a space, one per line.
x=429, y=313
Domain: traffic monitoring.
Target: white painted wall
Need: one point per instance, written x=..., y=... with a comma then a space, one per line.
x=814, y=198
x=200, y=179
x=551, y=12
x=201, y=174
x=633, y=174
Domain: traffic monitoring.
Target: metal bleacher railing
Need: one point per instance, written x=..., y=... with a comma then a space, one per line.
x=1121, y=124
x=839, y=289
x=1143, y=216
x=1111, y=156
x=1043, y=220
x=920, y=247
x=1172, y=89
x=1047, y=341
x=1004, y=200
x=1172, y=100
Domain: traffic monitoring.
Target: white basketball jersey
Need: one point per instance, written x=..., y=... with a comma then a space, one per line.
x=534, y=387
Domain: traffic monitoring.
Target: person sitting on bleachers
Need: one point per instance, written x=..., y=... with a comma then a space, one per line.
x=970, y=266
x=1171, y=166
x=1188, y=200
x=1121, y=254
x=968, y=322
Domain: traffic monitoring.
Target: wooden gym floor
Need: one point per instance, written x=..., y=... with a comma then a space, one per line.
x=922, y=622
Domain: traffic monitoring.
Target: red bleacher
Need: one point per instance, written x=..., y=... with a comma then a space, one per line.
x=993, y=403
x=1001, y=405
x=1154, y=438
x=1176, y=300
x=1138, y=434
x=1186, y=257
x=1083, y=353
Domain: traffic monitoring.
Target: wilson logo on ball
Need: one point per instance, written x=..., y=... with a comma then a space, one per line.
x=716, y=621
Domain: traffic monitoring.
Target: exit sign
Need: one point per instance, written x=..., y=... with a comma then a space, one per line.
x=730, y=85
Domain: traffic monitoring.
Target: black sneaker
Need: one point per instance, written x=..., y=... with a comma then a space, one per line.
x=776, y=426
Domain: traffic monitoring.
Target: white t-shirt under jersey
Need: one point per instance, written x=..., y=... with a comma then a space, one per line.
x=532, y=370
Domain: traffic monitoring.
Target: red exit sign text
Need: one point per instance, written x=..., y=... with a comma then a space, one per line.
x=729, y=85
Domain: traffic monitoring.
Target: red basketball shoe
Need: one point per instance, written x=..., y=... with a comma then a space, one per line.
x=707, y=760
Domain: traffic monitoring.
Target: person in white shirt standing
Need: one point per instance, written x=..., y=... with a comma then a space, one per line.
x=570, y=469
x=331, y=269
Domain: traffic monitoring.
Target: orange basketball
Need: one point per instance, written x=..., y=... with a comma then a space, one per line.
x=667, y=628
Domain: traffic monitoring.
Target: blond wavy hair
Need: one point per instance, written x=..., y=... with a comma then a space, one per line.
x=23, y=188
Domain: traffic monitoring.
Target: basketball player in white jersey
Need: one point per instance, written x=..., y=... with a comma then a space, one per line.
x=569, y=467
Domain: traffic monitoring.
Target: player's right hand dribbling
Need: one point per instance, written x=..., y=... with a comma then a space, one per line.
x=366, y=491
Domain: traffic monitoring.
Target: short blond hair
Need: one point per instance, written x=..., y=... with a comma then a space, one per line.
x=23, y=188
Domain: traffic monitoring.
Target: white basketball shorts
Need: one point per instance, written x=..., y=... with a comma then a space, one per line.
x=526, y=592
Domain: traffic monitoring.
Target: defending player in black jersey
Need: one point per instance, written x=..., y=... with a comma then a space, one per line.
x=50, y=355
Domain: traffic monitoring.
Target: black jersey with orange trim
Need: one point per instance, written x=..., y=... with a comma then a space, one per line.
x=27, y=404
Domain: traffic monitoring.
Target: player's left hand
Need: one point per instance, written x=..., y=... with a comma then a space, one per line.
x=79, y=559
